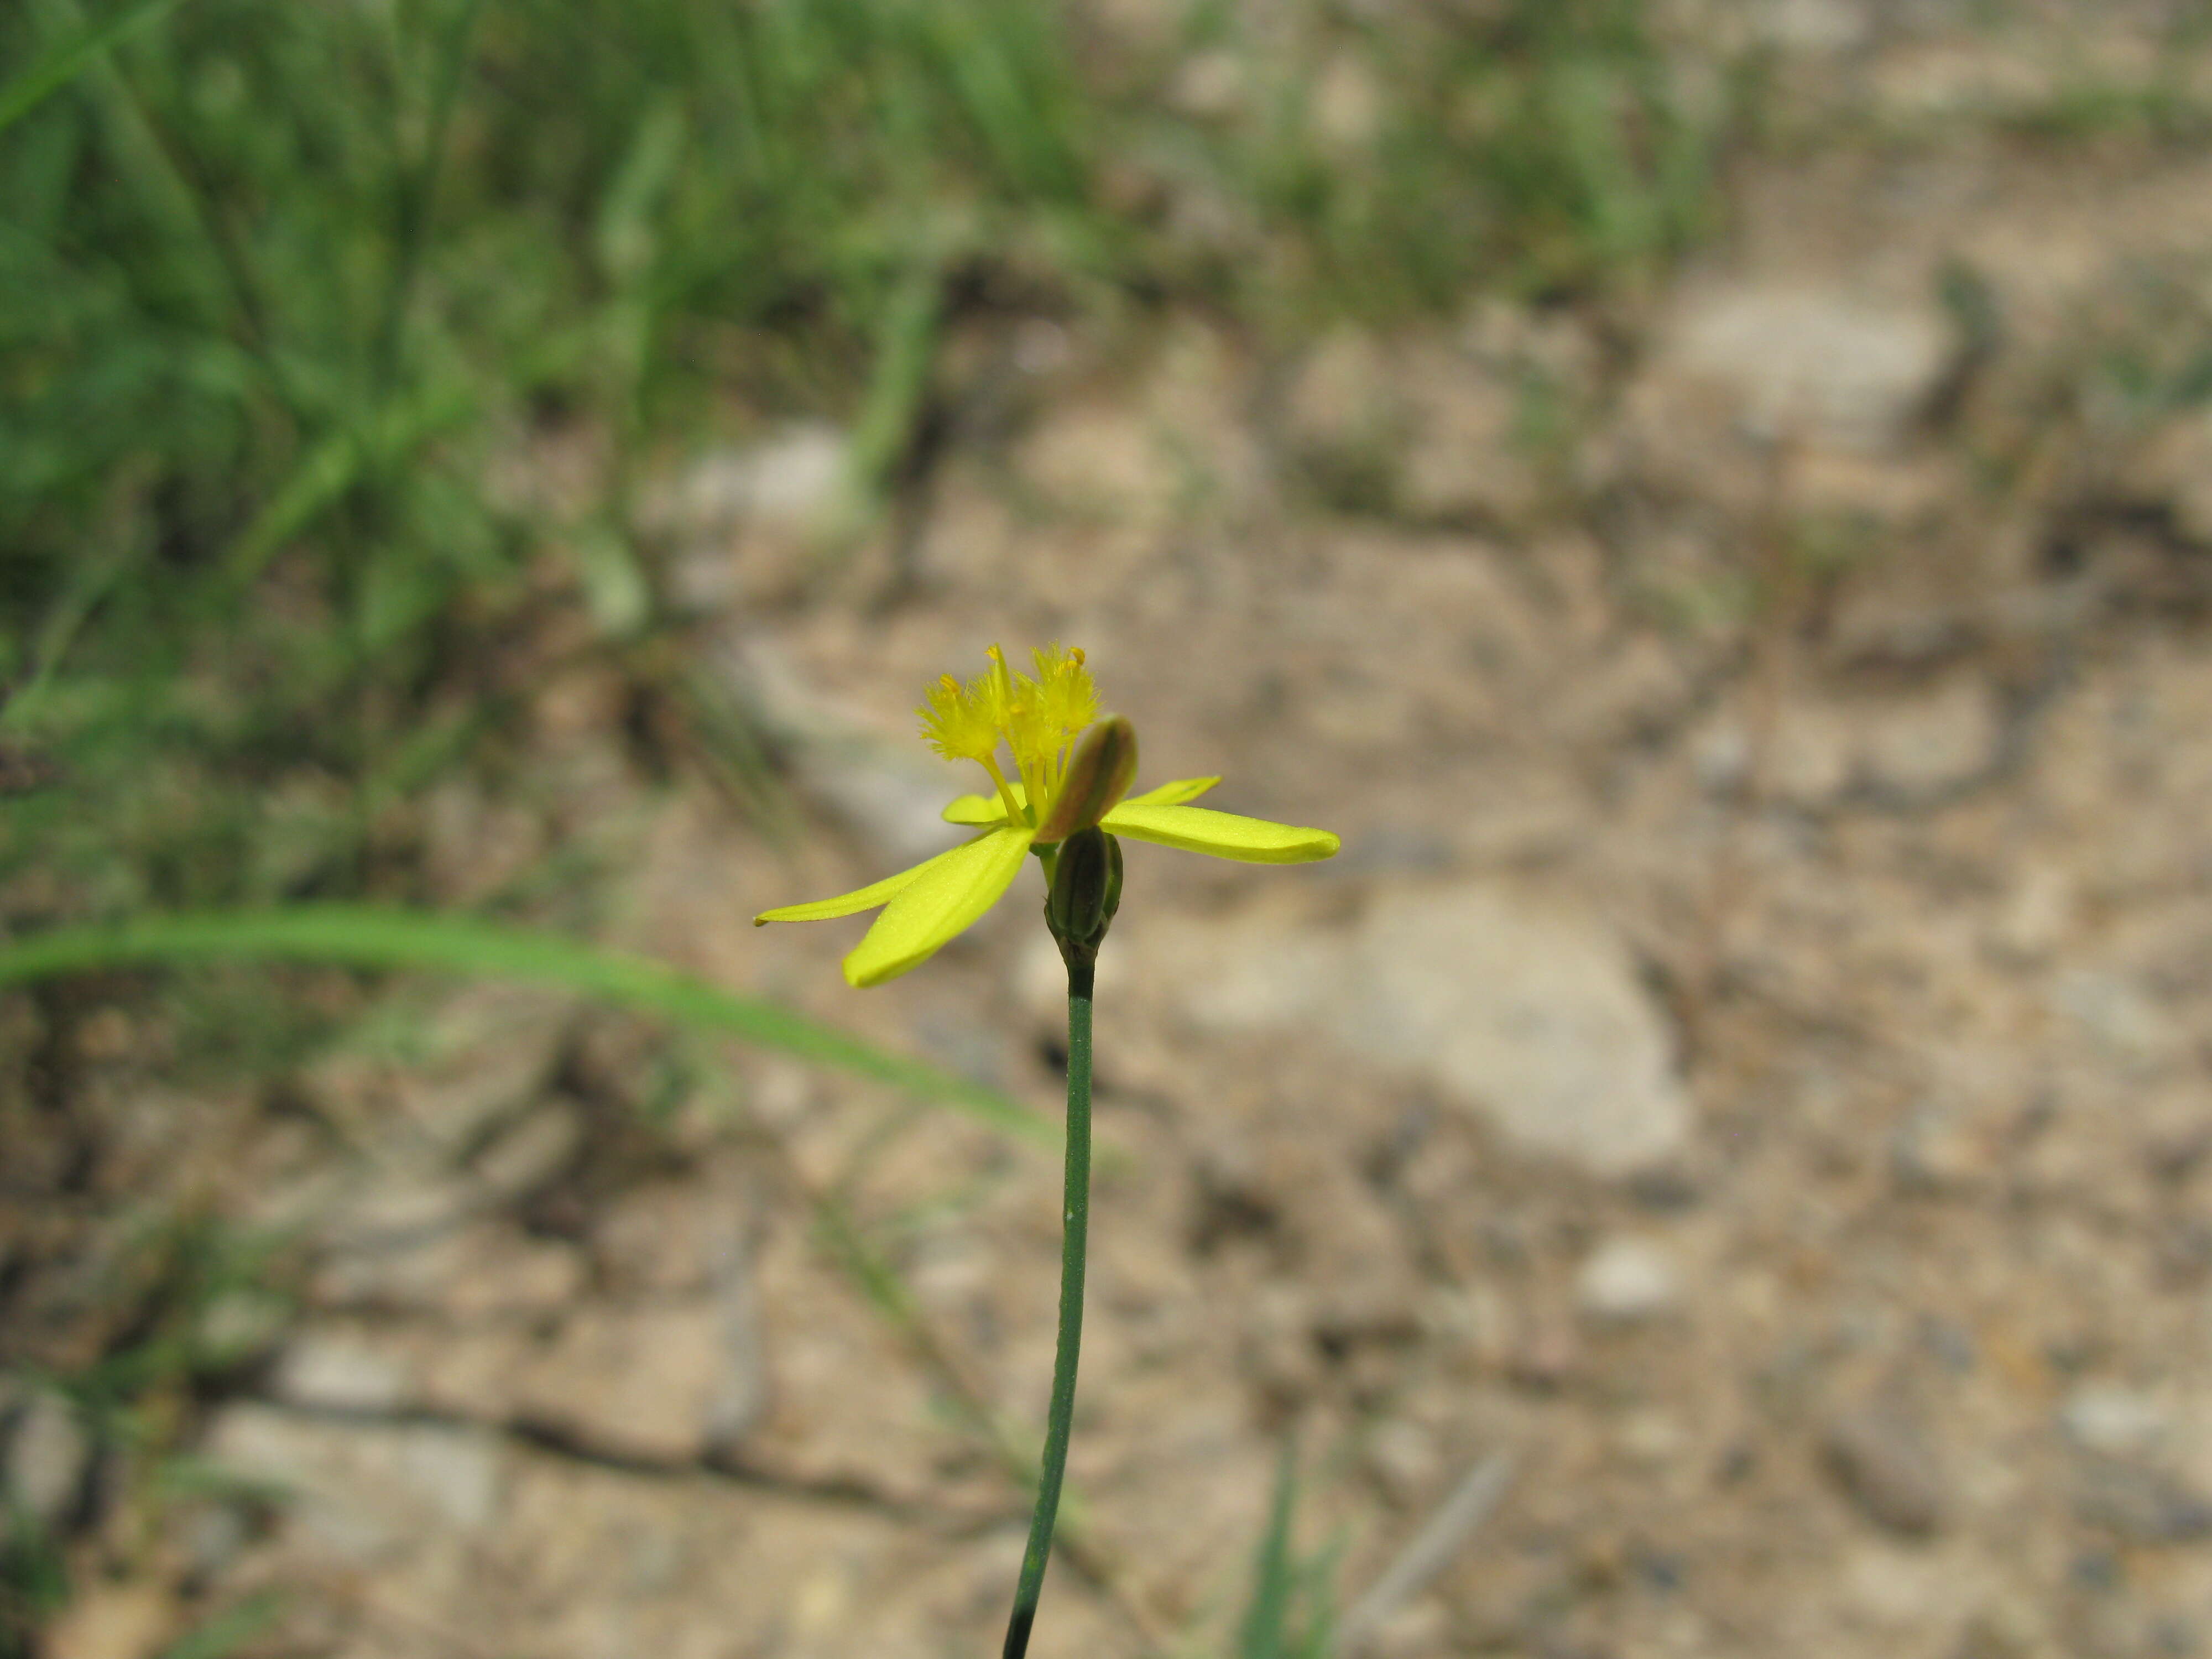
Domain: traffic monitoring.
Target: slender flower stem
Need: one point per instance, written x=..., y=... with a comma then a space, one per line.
x=1075, y=1214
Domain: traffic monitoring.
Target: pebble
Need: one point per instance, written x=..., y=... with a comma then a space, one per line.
x=1857, y=370
x=1917, y=748
x=1884, y=1464
x=48, y=1455
x=1529, y=1013
x=336, y=1372
x=1627, y=1280
x=366, y=1491
x=2112, y=1420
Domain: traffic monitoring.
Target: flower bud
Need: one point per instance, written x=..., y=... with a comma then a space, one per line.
x=1099, y=774
x=1086, y=889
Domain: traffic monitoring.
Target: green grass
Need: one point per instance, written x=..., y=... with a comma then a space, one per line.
x=1291, y=1612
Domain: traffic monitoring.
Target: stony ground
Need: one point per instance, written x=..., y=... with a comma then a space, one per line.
x=1741, y=1093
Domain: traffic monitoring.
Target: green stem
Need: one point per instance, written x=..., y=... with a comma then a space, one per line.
x=1075, y=1213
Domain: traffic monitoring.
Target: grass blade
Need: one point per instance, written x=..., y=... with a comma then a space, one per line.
x=363, y=937
x=1265, y=1631
x=63, y=63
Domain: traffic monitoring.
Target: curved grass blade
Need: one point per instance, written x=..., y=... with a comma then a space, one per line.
x=364, y=937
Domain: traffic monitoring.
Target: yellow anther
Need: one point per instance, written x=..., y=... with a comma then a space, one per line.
x=1035, y=719
x=956, y=723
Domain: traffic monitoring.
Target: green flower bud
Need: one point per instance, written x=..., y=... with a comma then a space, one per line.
x=1086, y=890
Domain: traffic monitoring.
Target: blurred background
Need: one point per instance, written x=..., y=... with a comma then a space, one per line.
x=1711, y=498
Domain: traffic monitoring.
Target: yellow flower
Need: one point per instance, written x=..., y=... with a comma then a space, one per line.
x=1079, y=768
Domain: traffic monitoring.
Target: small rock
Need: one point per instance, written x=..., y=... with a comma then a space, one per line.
x=1626, y=1281
x=366, y=1491
x=1884, y=1464
x=1857, y=372
x=1651, y=1437
x=48, y=1455
x=1531, y=1014
x=2112, y=1420
x=335, y=1371
x=1913, y=748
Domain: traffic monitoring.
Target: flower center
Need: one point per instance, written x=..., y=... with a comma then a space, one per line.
x=1036, y=718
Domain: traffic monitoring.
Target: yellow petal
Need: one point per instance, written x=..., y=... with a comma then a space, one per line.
x=942, y=898
x=1223, y=834
x=1173, y=794
x=982, y=811
x=862, y=899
